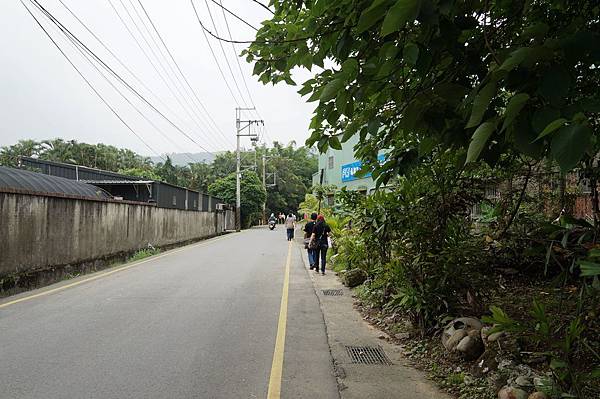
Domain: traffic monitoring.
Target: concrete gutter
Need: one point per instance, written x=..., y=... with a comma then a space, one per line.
x=346, y=327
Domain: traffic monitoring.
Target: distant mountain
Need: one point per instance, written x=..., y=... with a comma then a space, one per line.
x=183, y=158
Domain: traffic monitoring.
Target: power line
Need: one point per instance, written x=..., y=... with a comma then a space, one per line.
x=89, y=83
x=264, y=6
x=117, y=58
x=213, y=54
x=181, y=72
x=299, y=39
x=160, y=61
x=89, y=60
x=235, y=54
x=220, y=4
x=264, y=130
x=116, y=75
x=185, y=95
x=149, y=59
x=225, y=55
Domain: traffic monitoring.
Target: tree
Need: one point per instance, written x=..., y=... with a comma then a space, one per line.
x=481, y=77
x=252, y=194
x=9, y=155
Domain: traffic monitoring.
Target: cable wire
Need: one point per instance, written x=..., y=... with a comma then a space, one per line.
x=116, y=75
x=181, y=72
x=223, y=9
x=149, y=59
x=185, y=94
x=225, y=56
x=118, y=59
x=90, y=85
x=213, y=54
x=190, y=112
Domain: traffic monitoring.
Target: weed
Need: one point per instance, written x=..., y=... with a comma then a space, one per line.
x=143, y=253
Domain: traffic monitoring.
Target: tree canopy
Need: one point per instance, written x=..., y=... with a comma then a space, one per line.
x=482, y=77
x=252, y=194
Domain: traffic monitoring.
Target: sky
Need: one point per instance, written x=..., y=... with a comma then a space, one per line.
x=43, y=97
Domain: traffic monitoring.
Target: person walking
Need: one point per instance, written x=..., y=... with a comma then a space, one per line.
x=320, y=235
x=290, y=225
x=308, y=230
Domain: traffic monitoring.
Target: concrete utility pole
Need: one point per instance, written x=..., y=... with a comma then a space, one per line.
x=264, y=176
x=240, y=126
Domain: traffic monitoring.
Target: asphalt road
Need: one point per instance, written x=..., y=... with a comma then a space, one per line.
x=198, y=322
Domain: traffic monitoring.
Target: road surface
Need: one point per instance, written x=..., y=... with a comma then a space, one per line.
x=198, y=322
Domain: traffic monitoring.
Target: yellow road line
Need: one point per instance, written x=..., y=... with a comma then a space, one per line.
x=274, y=391
x=107, y=273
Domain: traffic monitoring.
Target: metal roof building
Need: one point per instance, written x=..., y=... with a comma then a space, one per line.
x=130, y=188
x=24, y=180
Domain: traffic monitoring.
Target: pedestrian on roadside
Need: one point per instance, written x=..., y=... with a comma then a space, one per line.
x=308, y=230
x=290, y=225
x=320, y=235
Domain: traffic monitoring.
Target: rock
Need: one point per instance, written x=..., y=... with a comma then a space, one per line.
x=495, y=336
x=538, y=395
x=402, y=336
x=462, y=323
x=523, y=382
x=512, y=393
x=454, y=340
x=471, y=346
x=486, y=364
x=354, y=277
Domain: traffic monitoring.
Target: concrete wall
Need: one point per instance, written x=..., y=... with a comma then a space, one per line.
x=41, y=232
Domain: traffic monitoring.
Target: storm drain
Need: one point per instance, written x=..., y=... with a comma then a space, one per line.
x=367, y=355
x=333, y=292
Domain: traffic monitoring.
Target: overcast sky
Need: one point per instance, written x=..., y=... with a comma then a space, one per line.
x=42, y=96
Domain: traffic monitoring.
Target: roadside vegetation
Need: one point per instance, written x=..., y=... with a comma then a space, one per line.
x=488, y=205
x=143, y=253
x=289, y=170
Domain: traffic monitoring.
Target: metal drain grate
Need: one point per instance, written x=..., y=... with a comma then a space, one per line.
x=367, y=355
x=333, y=292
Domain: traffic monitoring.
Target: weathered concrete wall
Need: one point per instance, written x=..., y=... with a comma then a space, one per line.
x=41, y=232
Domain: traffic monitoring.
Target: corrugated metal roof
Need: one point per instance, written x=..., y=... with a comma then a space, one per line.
x=115, y=182
x=38, y=182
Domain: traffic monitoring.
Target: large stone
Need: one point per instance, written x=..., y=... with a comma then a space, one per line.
x=512, y=393
x=354, y=277
x=453, y=341
x=462, y=323
x=471, y=346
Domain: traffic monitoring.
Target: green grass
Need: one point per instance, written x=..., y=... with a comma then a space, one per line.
x=143, y=253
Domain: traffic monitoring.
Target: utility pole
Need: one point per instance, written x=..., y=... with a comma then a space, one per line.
x=264, y=176
x=240, y=126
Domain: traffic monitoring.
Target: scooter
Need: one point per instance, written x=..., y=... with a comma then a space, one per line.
x=272, y=224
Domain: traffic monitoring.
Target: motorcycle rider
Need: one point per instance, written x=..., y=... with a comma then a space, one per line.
x=272, y=220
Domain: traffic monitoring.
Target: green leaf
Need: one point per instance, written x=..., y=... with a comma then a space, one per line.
x=479, y=140
x=515, y=58
x=399, y=14
x=589, y=269
x=552, y=126
x=481, y=104
x=411, y=53
x=350, y=67
x=542, y=117
x=515, y=105
x=334, y=143
x=331, y=90
x=569, y=145
x=371, y=15
x=305, y=90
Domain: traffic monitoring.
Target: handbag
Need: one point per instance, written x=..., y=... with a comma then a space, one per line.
x=306, y=242
x=313, y=244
